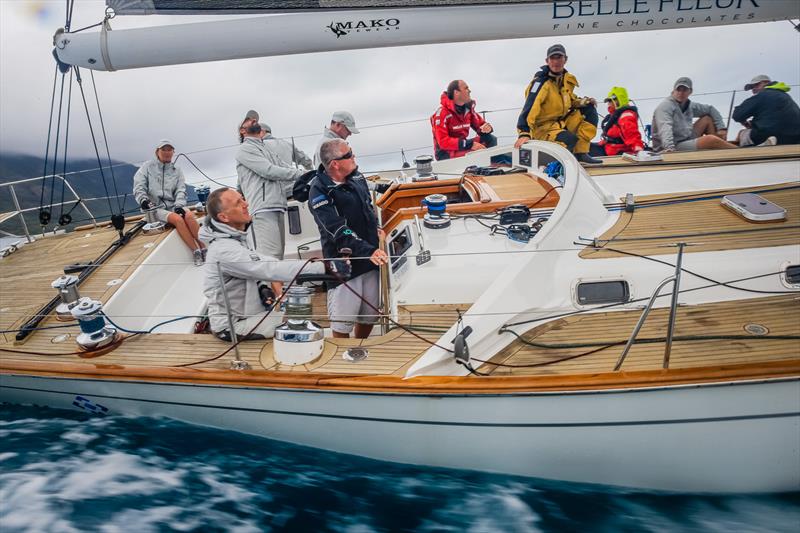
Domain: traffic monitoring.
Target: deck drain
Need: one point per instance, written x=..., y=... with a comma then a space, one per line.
x=113, y=282
x=756, y=329
x=355, y=354
x=149, y=245
x=60, y=338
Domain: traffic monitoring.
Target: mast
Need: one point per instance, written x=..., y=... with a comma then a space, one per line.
x=321, y=31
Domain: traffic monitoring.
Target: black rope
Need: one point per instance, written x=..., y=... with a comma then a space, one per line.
x=70, y=7
x=209, y=178
x=49, y=133
x=66, y=147
x=57, y=139
x=94, y=140
x=105, y=140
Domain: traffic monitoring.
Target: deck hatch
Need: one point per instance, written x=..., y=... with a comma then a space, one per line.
x=603, y=292
x=793, y=274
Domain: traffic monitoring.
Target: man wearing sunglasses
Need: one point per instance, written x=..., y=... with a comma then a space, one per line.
x=340, y=202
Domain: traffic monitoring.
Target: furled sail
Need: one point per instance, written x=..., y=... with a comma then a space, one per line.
x=321, y=31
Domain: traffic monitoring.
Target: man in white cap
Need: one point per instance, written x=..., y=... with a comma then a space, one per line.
x=770, y=116
x=672, y=123
x=342, y=126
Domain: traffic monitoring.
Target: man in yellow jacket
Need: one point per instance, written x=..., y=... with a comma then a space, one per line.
x=553, y=112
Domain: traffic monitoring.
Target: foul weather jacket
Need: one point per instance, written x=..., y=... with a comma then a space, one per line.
x=451, y=127
x=327, y=135
x=262, y=178
x=621, y=132
x=345, y=217
x=771, y=112
x=161, y=183
x=672, y=122
x=242, y=269
x=547, y=104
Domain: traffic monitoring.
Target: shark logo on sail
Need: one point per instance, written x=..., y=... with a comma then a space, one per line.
x=340, y=29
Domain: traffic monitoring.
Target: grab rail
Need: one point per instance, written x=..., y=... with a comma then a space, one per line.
x=19, y=211
x=675, y=279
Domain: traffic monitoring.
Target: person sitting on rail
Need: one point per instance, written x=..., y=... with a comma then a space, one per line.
x=672, y=123
x=225, y=232
x=452, y=121
x=620, y=128
x=553, y=112
x=340, y=202
x=160, y=184
x=770, y=116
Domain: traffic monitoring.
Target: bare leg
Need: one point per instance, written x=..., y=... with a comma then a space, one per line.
x=194, y=229
x=338, y=335
x=362, y=331
x=704, y=126
x=180, y=226
x=712, y=142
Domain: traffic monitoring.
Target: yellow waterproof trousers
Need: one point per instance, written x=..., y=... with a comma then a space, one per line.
x=573, y=132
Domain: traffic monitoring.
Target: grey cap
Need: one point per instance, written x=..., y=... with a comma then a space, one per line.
x=556, y=49
x=265, y=127
x=164, y=142
x=756, y=80
x=683, y=82
x=251, y=115
x=347, y=119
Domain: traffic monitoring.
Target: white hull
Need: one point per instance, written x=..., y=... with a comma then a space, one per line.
x=735, y=437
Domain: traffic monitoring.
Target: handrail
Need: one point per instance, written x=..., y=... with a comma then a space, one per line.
x=20, y=211
x=675, y=279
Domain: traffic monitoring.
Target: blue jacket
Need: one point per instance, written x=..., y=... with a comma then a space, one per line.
x=345, y=217
x=772, y=112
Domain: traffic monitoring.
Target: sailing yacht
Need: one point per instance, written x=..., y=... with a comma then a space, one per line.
x=630, y=324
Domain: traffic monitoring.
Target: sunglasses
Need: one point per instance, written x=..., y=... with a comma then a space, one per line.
x=348, y=155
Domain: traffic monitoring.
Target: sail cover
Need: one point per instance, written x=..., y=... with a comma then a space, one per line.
x=242, y=7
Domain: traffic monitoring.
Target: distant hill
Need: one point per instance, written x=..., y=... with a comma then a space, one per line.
x=88, y=185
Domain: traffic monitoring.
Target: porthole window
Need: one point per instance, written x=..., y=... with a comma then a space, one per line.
x=603, y=292
x=793, y=274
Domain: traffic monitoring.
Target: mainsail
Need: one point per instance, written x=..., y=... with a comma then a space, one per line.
x=337, y=29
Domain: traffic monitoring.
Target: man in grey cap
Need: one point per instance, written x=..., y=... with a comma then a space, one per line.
x=770, y=116
x=672, y=123
x=342, y=126
x=284, y=150
x=249, y=119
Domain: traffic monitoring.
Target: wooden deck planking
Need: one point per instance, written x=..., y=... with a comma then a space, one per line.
x=691, y=221
x=778, y=313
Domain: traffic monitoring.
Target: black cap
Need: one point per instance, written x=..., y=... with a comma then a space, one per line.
x=556, y=49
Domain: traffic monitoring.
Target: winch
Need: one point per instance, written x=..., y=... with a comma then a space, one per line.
x=424, y=169
x=95, y=333
x=202, y=196
x=67, y=287
x=153, y=225
x=436, y=217
x=298, y=340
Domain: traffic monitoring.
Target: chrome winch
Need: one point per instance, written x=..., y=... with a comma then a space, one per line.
x=298, y=340
x=153, y=226
x=95, y=333
x=436, y=217
x=424, y=169
x=67, y=287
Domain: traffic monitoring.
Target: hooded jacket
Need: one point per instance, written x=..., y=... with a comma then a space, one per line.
x=242, y=268
x=771, y=112
x=286, y=152
x=547, y=102
x=262, y=179
x=327, y=135
x=345, y=217
x=621, y=132
x=451, y=126
x=161, y=183
x=672, y=122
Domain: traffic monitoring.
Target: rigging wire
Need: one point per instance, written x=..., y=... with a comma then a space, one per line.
x=57, y=139
x=47, y=150
x=120, y=204
x=209, y=178
x=61, y=218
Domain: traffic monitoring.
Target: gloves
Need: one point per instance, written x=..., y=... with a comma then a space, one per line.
x=267, y=295
x=338, y=268
x=146, y=204
x=181, y=211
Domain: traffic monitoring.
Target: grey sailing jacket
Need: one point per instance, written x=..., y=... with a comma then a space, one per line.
x=161, y=183
x=287, y=152
x=327, y=135
x=672, y=124
x=241, y=268
x=262, y=177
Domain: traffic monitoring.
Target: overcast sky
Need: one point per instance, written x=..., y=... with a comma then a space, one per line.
x=199, y=106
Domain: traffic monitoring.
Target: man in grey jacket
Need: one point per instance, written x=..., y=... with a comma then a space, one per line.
x=224, y=231
x=342, y=126
x=286, y=151
x=672, y=123
x=262, y=179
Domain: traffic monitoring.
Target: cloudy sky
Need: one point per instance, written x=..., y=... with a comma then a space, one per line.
x=199, y=106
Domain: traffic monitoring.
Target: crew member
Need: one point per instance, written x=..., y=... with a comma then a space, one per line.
x=342, y=126
x=285, y=151
x=620, y=128
x=552, y=111
x=242, y=268
x=160, y=184
x=452, y=121
x=672, y=123
x=341, y=205
x=770, y=116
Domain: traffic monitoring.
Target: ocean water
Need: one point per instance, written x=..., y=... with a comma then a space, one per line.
x=64, y=471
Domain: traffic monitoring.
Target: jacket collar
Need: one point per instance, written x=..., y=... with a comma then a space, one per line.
x=253, y=140
x=450, y=105
x=212, y=230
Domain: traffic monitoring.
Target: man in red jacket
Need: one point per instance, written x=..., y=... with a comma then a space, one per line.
x=452, y=121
